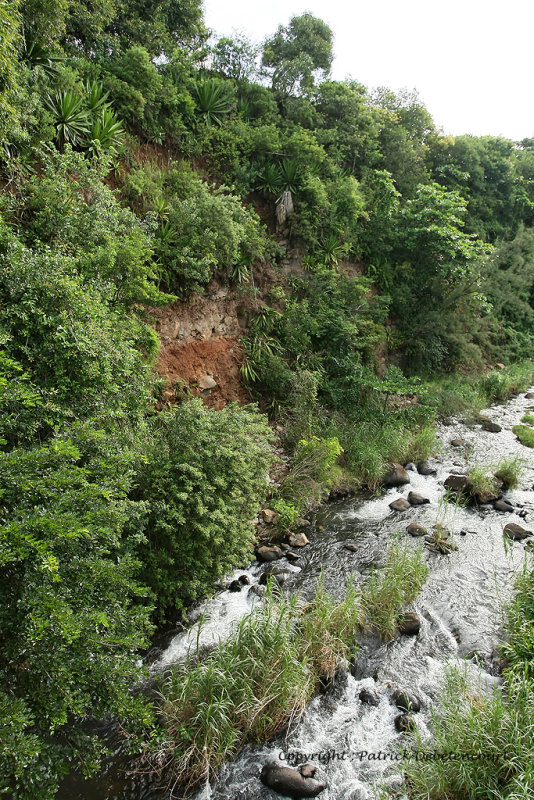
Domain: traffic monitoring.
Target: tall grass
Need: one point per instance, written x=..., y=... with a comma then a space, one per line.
x=459, y=394
x=391, y=588
x=525, y=434
x=509, y=471
x=258, y=681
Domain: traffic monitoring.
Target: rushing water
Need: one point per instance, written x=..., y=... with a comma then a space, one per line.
x=460, y=608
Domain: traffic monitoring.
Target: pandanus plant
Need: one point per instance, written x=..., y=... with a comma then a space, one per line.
x=214, y=100
x=71, y=119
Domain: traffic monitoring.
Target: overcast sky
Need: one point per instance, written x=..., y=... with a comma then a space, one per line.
x=470, y=60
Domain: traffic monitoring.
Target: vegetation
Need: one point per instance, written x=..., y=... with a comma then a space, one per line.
x=509, y=471
x=258, y=681
x=525, y=434
x=141, y=163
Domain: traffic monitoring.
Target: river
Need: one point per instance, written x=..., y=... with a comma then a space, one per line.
x=460, y=608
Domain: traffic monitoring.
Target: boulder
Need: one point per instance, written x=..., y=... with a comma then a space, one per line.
x=515, y=532
x=269, y=516
x=307, y=770
x=410, y=467
x=503, y=505
x=351, y=547
x=256, y=589
x=457, y=442
x=416, y=499
x=207, y=382
x=404, y=723
x=400, y=505
x=396, y=476
x=491, y=427
x=488, y=495
x=406, y=701
x=529, y=395
x=268, y=553
x=458, y=485
x=369, y=697
x=424, y=468
x=298, y=539
x=237, y=585
x=290, y=782
x=410, y=624
x=292, y=557
x=416, y=530
x=277, y=574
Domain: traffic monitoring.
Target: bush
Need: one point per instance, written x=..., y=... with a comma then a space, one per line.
x=313, y=471
x=206, y=473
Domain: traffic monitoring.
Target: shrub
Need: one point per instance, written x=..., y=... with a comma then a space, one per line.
x=205, y=475
x=314, y=470
x=509, y=470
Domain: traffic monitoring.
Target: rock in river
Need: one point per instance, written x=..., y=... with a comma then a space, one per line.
x=516, y=532
x=406, y=701
x=416, y=499
x=266, y=553
x=289, y=781
x=410, y=624
x=396, y=476
x=416, y=530
x=400, y=505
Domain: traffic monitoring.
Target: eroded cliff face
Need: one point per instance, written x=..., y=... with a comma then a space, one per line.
x=200, y=338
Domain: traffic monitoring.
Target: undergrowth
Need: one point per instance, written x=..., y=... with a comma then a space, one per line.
x=524, y=434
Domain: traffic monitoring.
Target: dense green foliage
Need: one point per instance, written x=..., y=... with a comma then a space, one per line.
x=203, y=480
x=141, y=162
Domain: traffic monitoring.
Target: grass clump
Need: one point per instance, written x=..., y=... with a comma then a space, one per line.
x=481, y=482
x=518, y=649
x=528, y=418
x=391, y=588
x=524, y=434
x=509, y=471
x=487, y=742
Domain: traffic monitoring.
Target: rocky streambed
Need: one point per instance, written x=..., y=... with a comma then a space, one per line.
x=353, y=732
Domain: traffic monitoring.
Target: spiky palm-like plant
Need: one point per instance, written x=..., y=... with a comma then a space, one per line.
x=70, y=118
x=214, y=100
x=106, y=133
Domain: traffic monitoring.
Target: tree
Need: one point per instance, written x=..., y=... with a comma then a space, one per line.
x=299, y=55
x=236, y=57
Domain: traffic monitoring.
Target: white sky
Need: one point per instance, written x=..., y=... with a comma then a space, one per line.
x=470, y=60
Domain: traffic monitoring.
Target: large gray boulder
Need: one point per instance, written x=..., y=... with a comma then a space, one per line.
x=290, y=782
x=396, y=476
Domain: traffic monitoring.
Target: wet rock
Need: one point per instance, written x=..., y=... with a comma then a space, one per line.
x=237, y=585
x=400, y=505
x=292, y=557
x=277, y=574
x=529, y=396
x=404, y=723
x=268, y=553
x=515, y=532
x=351, y=547
x=410, y=624
x=410, y=467
x=258, y=590
x=298, y=539
x=457, y=442
x=424, y=468
x=303, y=523
x=307, y=770
x=290, y=782
x=369, y=697
x=269, y=516
x=396, y=476
x=416, y=499
x=416, y=530
x=503, y=505
x=284, y=546
x=458, y=484
x=488, y=425
x=406, y=701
